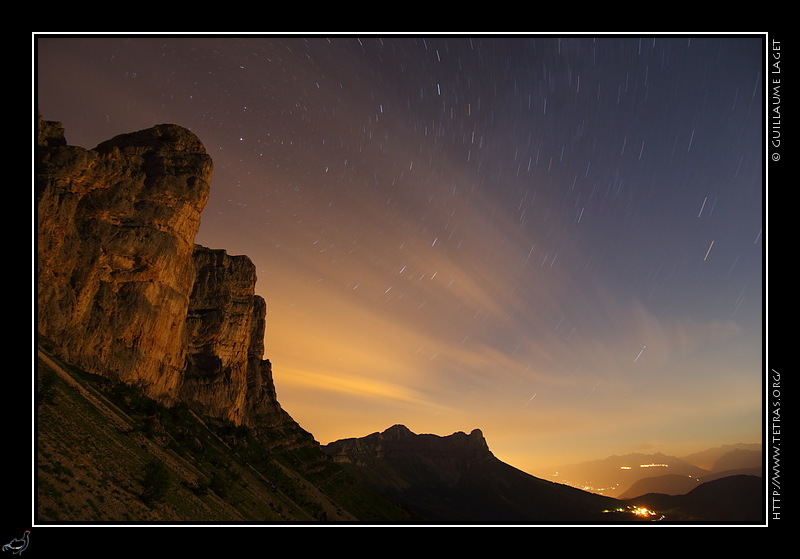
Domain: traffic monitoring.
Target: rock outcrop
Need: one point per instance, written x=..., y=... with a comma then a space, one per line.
x=124, y=291
x=225, y=373
x=116, y=227
x=399, y=441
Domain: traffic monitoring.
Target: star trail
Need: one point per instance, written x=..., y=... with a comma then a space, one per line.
x=557, y=240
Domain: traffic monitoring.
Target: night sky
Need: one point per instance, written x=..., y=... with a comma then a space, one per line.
x=556, y=240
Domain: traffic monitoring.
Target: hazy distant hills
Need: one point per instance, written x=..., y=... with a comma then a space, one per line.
x=727, y=457
x=671, y=484
x=636, y=474
x=457, y=479
x=614, y=474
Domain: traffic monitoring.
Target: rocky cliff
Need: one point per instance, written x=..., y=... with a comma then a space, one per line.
x=123, y=290
x=150, y=351
x=443, y=454
x=225, y=374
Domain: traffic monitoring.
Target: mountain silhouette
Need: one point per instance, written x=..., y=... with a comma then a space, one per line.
x=457, y=479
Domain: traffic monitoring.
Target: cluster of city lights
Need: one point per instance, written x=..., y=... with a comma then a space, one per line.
x=642, y=512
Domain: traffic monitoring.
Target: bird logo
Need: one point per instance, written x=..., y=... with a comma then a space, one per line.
x=18, y=545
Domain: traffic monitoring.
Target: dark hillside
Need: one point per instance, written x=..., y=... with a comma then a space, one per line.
x=107, y=453
x=457, y=479
x=730, y=499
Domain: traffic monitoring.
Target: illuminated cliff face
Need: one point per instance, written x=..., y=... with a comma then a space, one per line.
x=116, y=228
x=125, y=292
x=226, y=375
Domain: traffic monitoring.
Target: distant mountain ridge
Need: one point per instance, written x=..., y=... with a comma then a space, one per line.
x=671, y=484
x=707, y=459
x=637, y=473
x=456, y=478
x=615, y=475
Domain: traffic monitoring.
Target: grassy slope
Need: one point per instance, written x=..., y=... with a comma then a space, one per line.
x=95, y=439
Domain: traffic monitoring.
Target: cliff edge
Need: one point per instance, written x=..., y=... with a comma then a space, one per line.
x=124, y=292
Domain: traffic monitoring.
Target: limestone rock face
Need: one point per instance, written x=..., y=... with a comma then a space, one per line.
x=123, y=290
x=225, y=374
x=116, y=227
